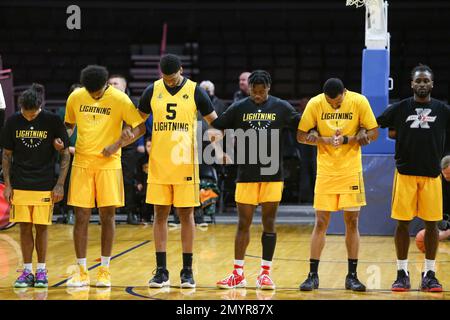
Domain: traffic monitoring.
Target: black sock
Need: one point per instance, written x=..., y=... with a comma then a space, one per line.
x=161, y=260
x=187, y=260
x=268, y=241
x=313, y=265
x=352, y=264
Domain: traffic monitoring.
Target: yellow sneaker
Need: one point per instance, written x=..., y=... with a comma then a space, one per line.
x=103, y=277
x=79, y=277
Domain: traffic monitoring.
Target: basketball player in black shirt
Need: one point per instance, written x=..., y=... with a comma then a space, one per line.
x=420, y=123
x=260, y=118
x=28, y=162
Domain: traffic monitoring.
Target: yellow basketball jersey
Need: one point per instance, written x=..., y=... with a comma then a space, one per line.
x=173, y=156
x=99, y=124
x=355, y=112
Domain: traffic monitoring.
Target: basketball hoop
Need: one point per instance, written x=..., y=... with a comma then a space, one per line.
x=358, y=3
x=377, y=36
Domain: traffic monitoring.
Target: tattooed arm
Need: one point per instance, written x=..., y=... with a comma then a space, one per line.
x=6, y=165
x=70, y=128
x=58, y=190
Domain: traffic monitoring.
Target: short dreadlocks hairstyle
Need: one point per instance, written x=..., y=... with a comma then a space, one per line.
x=32, y=98
x=170, y=64
x=260, y=77
x=421, y=68
x=333, y=87
x=94, y=77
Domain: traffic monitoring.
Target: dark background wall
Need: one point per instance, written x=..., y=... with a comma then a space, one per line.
x=300, y=43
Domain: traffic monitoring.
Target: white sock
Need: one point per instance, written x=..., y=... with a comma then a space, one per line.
x=266, y=265
x=105, y=261
x=402, y=265
x=240, y=264
x=430, y=265
x=28, y=266
x=82, y=262
x=40, y=266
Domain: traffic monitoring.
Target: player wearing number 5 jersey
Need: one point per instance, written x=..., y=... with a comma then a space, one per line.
x=173, y=177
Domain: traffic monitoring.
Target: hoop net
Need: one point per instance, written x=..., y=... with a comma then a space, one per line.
x=359, y=3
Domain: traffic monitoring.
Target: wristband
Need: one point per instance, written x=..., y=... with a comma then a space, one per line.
x=345, y=140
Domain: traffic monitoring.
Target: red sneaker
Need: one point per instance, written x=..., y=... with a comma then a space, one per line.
x=233, y=281
x=264, y=282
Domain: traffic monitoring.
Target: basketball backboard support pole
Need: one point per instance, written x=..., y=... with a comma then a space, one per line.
x=375, y=81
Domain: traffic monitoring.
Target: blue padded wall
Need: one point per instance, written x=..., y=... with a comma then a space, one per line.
x=375, y=86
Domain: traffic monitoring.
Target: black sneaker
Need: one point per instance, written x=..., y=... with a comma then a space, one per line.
x=312, y=282
x=160, y=279
x=402, y=283
x=352, y=283
x=430, y=283
x=187, y=278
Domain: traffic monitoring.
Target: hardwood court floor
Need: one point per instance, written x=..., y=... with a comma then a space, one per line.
x=134, y=262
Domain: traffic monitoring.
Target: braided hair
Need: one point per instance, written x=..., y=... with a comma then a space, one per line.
x=260, y=77
x=32, y=98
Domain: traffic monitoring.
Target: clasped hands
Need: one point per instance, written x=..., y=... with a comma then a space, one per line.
x=126, y=136
x=338, y=138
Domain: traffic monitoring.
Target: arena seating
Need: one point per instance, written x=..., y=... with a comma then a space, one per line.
x=300, y=53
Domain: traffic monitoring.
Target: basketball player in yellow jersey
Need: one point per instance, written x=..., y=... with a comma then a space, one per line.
x=98, y=111
x=343, y=120
x=173, y=177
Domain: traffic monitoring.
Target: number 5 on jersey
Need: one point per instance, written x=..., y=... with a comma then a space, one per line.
x=171, y=111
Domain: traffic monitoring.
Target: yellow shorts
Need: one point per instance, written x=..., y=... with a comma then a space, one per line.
x=257, y=192
x=90, y=186
x=415, y=196
x=31, y=206
x=337, y=202
x=178, y=195
x=335, y=193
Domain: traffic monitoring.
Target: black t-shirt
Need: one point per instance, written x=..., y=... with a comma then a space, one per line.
x=33, y=164
x=421, y=135
x=202, y=100
x=274, y=114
